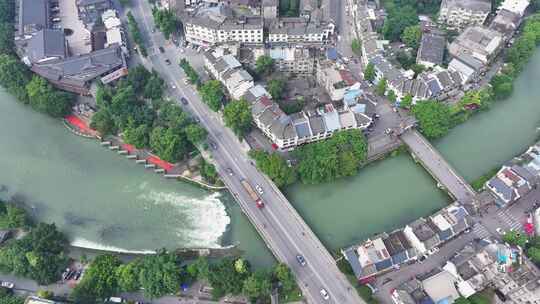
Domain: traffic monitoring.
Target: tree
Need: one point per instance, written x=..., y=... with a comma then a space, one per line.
x=434, y=118
x=168, y=144
x=515, y=238
x=154, y=87
x=369, y=72
x=276, y=88
x=224, y=278
x=356, y=47
x=257, y=286
x=100, y=277
x=534, y=254
x=380, y=89
x=12, y=216
x=241, y=266
x=128, y=276
x=503, y=86
x=14, y=76
x=165, y=20
x=103, y=122
x=209, y=172
x=237, y=116
x=44, y=98
x=136, y=135
x=45, y=294
x=285, y=277
x=199, y=269
x=190, y=72
x=6, y=38
x=264, y=65
x=159, y=274
x=212, y=94
x=406, y=101
x=275, y=167
x=411, y=36
x=195, y=133
x=339, y=156
x=398, y=19
x=392, y=96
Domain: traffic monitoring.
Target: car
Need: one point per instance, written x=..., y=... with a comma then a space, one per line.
x=259, y=189
x=167, y=61
x=422, y=259
x=212, y=145
x=197, y=120
x=500, y=231
x=186, y=82
x=184, y=100
x=301, y=260
x=230, y=171
x=161, y=49
x=7, y=284
x=325, y=294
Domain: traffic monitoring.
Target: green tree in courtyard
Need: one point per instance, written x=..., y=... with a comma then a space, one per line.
x=264, y=65
x=411, y=36
x=369, y=72
x=276, y=88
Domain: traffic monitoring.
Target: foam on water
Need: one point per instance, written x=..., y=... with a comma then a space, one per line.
x=206, y=217
x=84, y=243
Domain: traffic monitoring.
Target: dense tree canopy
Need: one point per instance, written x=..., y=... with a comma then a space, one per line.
x=339, y=156
x=276, y=88
x=165, y=21
x=44, y=98
x=411, y=36
x=168, y=144
x=264, y=65
x=257, y=285
x=380, y=89
x=237, y=116
x=399, y=18
x=503, y=85
x=14, y=76
x=160, y=274
x=369, y=72
x=273, y=165
x=434, y=118
x=12, y=216
x=212, y=94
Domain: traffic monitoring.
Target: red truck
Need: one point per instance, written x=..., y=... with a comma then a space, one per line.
x=252, y=194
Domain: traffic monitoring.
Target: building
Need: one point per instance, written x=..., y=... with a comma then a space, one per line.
x=293, y=60
x=36, y=300
x=270, y=9
x=478, y=42
x=33, y=16
x=506, y=23
x=298, y=30
x=509, y=184
x=237, y=82
x=74, y=74
x=90, y=11
x=468, y=68
x=449, y=221
x=431, y=50
x=335, y=81
x=44, y=46
x=458, y=14
x=441, y=288
x=422, y=236
x=517, y=7
x=218, y=24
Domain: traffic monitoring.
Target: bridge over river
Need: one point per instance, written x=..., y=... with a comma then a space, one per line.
x=437, y=166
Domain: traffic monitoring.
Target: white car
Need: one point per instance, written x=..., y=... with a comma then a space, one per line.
x=500, y=231
x=259, y=189
x=325, y=294
x=6, y=284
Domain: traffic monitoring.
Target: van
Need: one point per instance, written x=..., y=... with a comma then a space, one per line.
x=56, y=19
x=115, y=300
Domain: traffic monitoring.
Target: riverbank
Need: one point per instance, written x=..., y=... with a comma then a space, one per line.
x=179, y=171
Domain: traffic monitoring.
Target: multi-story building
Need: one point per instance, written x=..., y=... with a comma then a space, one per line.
x=479, y=42
x=515, y=6
x=298, y=30
x=335, y=81
x=218, y=24
x=33, y=16
x=431, y=50
x=270, y=9
x=293, y=60
x=458, y=14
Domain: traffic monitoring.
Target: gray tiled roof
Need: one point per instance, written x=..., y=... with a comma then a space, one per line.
x=502, y=189
x=431, y=48
x=45, y=44
x=34, y=13
x=472, y=5
x=317, y=124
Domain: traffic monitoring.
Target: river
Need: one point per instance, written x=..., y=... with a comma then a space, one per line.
x=105, y=201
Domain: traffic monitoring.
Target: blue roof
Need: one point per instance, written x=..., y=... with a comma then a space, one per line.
x=350, y=96
x=359, y=108
x=502, y=188
x=331, y=54
x=444, y=301
x=434, y=87
x=351, y=257
x=331, y=120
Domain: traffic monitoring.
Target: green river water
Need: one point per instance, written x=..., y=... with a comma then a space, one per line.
x=104, y=201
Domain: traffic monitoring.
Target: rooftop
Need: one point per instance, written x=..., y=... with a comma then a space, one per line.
x=432, y=48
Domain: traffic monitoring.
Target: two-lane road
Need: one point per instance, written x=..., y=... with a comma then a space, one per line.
x=283, y=230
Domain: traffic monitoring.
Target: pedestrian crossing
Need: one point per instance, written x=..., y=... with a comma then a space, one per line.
x=509, y=219
x=480, y=231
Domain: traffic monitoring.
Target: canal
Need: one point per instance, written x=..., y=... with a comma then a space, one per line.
x=103, y=200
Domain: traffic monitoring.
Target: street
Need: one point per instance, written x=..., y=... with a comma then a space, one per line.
x=283, y=230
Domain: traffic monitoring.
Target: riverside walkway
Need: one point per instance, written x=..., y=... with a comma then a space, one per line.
x=437, y=166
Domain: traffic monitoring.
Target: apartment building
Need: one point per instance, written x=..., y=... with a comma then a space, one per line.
x=458, y=14
x=335, y=81
x=293, y=60
x=298, y=30
x=218, y=24
x=479, y=42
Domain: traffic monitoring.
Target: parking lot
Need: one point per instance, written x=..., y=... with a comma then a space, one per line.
x=79, y=40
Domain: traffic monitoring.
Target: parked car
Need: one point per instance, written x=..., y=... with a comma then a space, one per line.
x=167, y=61
x=301, y=260
x=184, y=100
x=161, y=49
x=230, y=171
x=212, y=145
x=7, y=284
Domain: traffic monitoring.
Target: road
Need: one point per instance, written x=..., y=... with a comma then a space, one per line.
x=439, y=168
x=281, y=227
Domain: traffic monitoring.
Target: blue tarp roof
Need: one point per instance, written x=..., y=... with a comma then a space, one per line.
x=331, y=54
